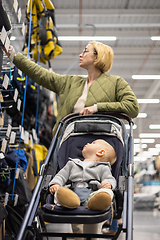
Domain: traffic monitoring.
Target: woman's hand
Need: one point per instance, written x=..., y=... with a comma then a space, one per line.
x=10, y=53
x=54, y=188
x=105, y=184
x=87, y=111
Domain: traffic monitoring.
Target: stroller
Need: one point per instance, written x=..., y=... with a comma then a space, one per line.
x=73, y=132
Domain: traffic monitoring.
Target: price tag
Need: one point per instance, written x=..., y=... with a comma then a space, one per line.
x=3, y=35
x=31, y=140
x=17, y=173
x=26, y=137
x=15, y=5
x=23, y=29
x=2, y=156
x=34, y=134
x=7, y=43
x=13, y=137
x=15, y=95
x=8, y=130
x=5, y=81
x=6, y=198
x=19, y=15
x=15, y=199
x=22, y=133
x=19, y=104
x=20, y=72
x=4, y=145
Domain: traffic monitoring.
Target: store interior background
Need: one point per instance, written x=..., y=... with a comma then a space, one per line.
x=133, y=24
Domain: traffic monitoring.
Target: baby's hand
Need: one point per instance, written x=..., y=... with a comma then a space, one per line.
x=105, y=184
x=54, y=188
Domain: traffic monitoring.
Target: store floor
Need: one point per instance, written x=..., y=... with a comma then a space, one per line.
x=146, y=226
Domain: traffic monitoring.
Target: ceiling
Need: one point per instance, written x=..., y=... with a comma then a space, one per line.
x=133, y=22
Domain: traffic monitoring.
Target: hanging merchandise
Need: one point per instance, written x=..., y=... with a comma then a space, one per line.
x=45, y=32
x=4, y=22
x=39, y=153
x=22, y=188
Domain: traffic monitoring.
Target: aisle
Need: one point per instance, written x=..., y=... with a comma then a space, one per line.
x=146, y=225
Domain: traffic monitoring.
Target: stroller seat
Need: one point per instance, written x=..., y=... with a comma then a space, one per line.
x=77, y=133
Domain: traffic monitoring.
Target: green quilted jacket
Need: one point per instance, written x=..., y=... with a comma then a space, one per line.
x=110, y=93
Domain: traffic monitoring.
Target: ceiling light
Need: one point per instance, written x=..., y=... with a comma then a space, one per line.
x=87, y=38
x=12, y=38
x=157, y=146
x=153, y=151
x=149, y=140
x=145, y=77
x=155, y=38
x=142, y=115
x=154, y=126
x=148, y=100
x=137, y=146
x=149, y=135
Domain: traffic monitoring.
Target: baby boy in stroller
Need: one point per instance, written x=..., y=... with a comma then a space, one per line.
x=89, y=182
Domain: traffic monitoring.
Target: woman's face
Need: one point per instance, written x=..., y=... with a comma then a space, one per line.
x=87, y=57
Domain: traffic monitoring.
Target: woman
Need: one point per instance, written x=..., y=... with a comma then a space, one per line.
x=86, y=95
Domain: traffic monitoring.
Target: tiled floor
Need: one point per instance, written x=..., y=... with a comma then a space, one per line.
x=146, y=226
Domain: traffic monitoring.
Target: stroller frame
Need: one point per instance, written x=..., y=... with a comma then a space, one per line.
x=127, y=223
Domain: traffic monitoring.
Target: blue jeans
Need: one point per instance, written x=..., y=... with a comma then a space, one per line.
x=114, y=225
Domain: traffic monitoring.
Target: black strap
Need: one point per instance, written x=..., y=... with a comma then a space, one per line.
x=84, y=184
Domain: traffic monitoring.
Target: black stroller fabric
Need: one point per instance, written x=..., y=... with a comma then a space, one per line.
x=74, y=145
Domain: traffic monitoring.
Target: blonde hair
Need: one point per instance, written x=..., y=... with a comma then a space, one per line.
x=110, y=155
x=104, y=56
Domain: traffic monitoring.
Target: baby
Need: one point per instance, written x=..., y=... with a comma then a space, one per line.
x=95, y=170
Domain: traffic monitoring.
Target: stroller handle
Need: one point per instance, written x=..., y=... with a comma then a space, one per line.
x=114, y=114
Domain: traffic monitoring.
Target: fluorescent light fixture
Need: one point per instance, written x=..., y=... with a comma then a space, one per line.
x=137, y=146
x=154, y=126
x=12, y=38
x=157, y=146
x=142, y=115
x=149, y=135
x=155, y=38
x=145, y=77
x=149, y=140
x=148, y=100
x=153, y=151
x=87, y=38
